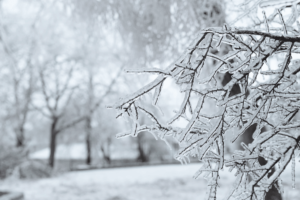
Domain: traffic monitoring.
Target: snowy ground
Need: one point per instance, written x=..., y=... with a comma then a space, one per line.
x=136, y=183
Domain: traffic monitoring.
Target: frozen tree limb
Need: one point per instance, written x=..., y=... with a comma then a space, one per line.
x=271, y=103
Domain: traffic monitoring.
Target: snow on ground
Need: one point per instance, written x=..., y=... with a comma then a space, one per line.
x=135, y=183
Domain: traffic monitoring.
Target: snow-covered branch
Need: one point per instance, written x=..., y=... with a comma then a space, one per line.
x=266, y=97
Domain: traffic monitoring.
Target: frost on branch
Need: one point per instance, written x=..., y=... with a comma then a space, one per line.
x=269, y=97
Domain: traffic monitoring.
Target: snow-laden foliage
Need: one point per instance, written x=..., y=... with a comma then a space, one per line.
x=269, y=97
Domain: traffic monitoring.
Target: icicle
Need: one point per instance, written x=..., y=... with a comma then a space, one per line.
x=154, y=135
x=280, y=185
x=256, y=132
x=188, y=159
x=180, y=160
x=159, y=110
x=168, y=144
x=135, y=123
x=231, y=168
x=184, y=161
x=199, y=172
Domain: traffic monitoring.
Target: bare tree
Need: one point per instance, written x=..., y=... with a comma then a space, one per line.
x=19, y=59
x=93, y=103
x=57, y=92
x=23, y=87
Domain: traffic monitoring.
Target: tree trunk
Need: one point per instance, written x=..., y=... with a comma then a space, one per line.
x=20, y=137
x=88, y=126
x=106, y=153
x=53, y=134
x=88, y=129
x=143, y=157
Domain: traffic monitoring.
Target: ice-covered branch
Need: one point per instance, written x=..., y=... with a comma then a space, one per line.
x=215, y=109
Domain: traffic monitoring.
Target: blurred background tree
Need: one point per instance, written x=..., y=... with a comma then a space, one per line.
x=62, y=62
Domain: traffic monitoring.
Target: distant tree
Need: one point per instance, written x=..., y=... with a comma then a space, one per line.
x=102, y=138
x=57, y=97
x=93, y=103
x=267, y=98
x=18, y=57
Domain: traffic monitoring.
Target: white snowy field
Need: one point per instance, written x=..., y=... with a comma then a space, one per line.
x=135, y=183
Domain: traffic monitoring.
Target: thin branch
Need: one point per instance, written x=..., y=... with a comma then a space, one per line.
x=108, y=90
